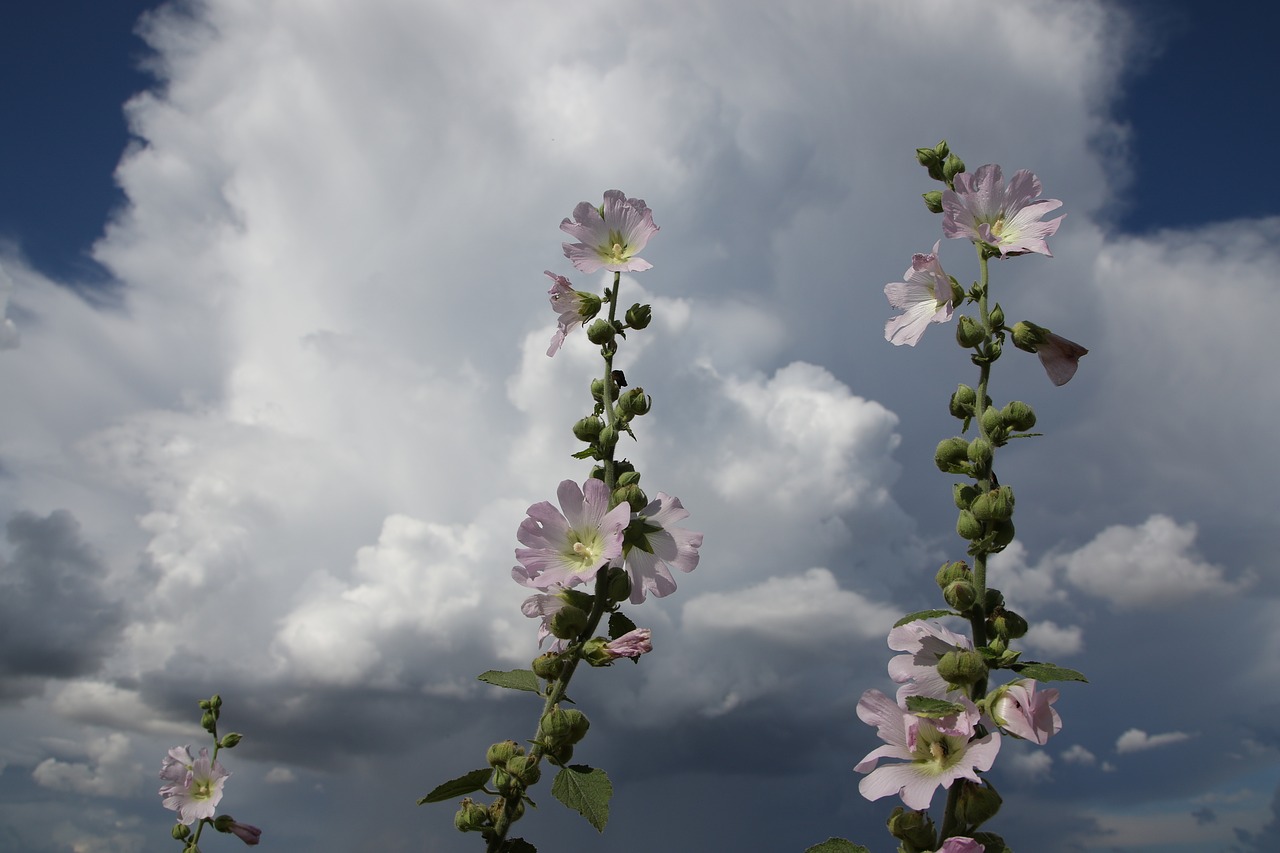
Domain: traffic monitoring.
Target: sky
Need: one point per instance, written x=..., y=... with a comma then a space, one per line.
x=273, y=323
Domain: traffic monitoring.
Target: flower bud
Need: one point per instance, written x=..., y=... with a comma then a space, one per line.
x=952, y=572
x=562, y=725
x=997, y=316
x=547, y=666
x=995, y=505
x=961, y=595
x=968, y=333
x=501, y=752
x=567, y=622
x=963, y=401
x=962, y=667
x=608, y=436
x=951, y=455
x=632, y=495
x=498, y=806
x=209, y=722
x=913, y=828
x=979, y=452
x=933, y=200
x=1009, y=625
x=229, y=741
x=601, y=332
x=929, y=158
x=994, y=599
x=951, y=167
x=588, y=429
x=638, y=316
x=180, y=831
x=619, y=584
x=471, y=816
x=967, y=526
x=559, y=754
x=1028, y=336
x=1003, y=535
x=634, y=402
x=963, y=495
x=1018, y=416
x=977, y=803
x=992, y=421
x=525, y=770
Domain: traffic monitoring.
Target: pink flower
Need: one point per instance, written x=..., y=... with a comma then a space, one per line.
x=195, y=784
x=924, y=296
x=569, y=548
x=1025, y=714
x=958, y=844
x=1060, y=357
x=573, y=306
x=656, y=545
x=924, y=643
x=250, y=835
x=982, y=209
x=610, y=235
x=545, y=605
x=935, y=752
x=631, y=644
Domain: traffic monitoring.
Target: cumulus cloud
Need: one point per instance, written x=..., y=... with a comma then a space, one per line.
x=1136, y=740
x=108, y=772
x=1049, y=638
x=1029, y=765
x=1077, y=754
x=9, y=336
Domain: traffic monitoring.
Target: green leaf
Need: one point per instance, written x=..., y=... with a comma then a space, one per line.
x=619, y=624
x=460, y=787
x=518, y=845
x=1047, y=672
x=516, y=679
x=837, y=845
x=930, y=708
x=923, y=614
x=586, y=790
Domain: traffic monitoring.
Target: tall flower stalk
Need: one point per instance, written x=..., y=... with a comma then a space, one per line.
x=606, y=536
x=944, y=727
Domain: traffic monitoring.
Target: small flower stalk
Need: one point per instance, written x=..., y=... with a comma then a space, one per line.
x=944, y=728
x=604, y=543
x=194, y=785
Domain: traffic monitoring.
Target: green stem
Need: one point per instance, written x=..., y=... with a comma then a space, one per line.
x=560, y=686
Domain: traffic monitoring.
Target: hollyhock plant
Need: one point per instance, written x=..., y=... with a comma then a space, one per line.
x=982, y=209
x=611, y=235
x=935, y=752
x=657, y=545
x=1022, y=712
x=924, y=643
x=574, y=308
x=569, y=547
x=195, y=784
x=924, y=296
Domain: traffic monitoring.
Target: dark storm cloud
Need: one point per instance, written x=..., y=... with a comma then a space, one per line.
x=56, y=618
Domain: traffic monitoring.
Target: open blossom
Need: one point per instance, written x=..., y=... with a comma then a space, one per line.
x=610, y=235
x=569, y=547
x=935, y=752
x=982, y=209
x=573, y=307
x=195, y=784
x=924, y=643
x=924, y=296
x=1024, y=713
x=657, y=546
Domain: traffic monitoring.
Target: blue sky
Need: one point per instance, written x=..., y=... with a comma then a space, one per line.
x=277, y=399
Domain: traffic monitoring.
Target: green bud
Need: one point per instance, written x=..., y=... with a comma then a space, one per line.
x=608, y=436
x=547, y=666
x=567, y=622
x=471, y=816
x=601, y=332
x=967, y=526
x=994, y=349
x=498, y=806
x=1009, y=625
x=180, y=831
x=995, y=505
x=952, y=572
x=933, y=200
x=230, y=740
x=588, y=429
x=1018, y=416
x=913, y=828
x=980, y=452
x=619, y=583
x=1003, y=535
x=963, y=495
x=205, y=704
x=961, y=595
x=595, y=653
x=525, y=769
x=209, y=722
x=977, y=803
x=968, y=333
x=634, y=402
x=952, y=167
x=997, y=316
x=962, y=667
x=501, y=752
x=941, y=149
x=503, y=781
x=559, y=754
x=632, y=495
x=578, y=724
x=951, y=455
x=556, y=727
x=628, y=478
x=1028, y=336
x=994, y=599
x=638, y=316
x=963, y=401
x=928, y=157
x=992, y=421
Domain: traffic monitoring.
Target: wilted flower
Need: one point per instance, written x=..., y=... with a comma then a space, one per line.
x=610, y=235
x=574, y=307
x=195, y=784
x=936, y=752
x=982, y=209
x=569, y=548
x=924, y=296
x=656, y=545
x=250, y=835
x=1060, y=358
x=1022, y=712
x=924, y=643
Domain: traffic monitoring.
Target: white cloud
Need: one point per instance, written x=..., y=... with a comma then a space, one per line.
x=9, y=336
x=1136, y=740
x=1048, y=638
x=280, y=776
x=107, y=773
x=1030, y=765
x=1077, y=754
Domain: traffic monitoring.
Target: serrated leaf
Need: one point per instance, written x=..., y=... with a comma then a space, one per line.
x=619, y=624
x=931, y=708
x=460, y=787
x=1047, y=672
x=586, y=790
x=516, y=679
x=923, y=614
x=837, y=845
